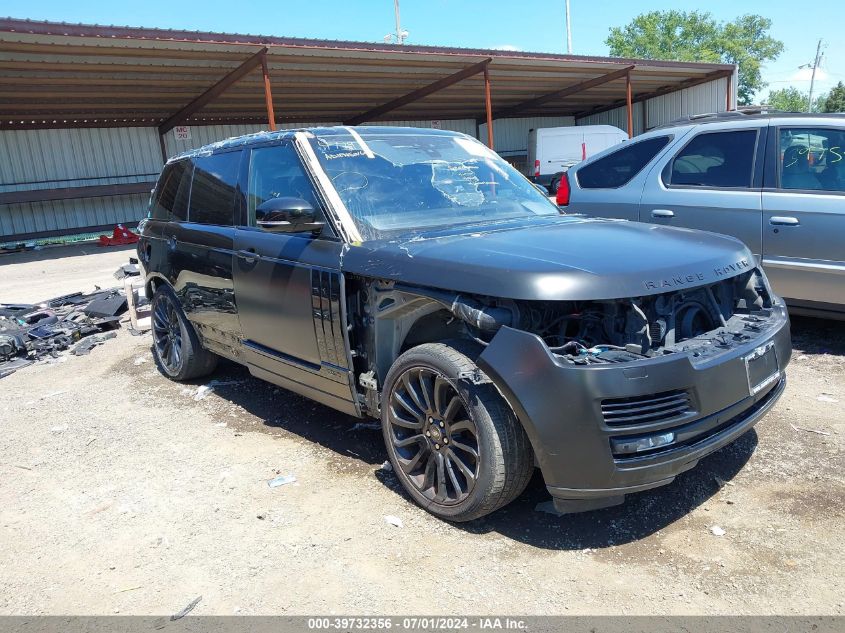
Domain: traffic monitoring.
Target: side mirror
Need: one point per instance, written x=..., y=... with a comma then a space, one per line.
x=541, y=189
x=287, y=215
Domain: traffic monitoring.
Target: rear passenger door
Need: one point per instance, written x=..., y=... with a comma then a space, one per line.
x=610, y=186
x=804, y=214
x=202, y=250
x=713, y=182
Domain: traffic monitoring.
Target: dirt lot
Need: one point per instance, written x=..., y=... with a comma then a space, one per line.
x=122, y=492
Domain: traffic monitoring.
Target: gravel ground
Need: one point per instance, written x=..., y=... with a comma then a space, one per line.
x=122, y=492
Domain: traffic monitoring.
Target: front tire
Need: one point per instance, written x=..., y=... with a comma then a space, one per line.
x=455, y=445
x=177, y=351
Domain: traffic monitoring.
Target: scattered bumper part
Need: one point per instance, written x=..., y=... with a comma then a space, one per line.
x=33, y=332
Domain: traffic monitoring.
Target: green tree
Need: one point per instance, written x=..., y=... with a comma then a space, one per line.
x=834, y=101
x=788, y=100
x=696, y=36
x=793, y=100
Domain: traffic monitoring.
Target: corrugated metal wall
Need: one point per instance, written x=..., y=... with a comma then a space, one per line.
x=708, y=97
x=617, y=117
x=48, y=159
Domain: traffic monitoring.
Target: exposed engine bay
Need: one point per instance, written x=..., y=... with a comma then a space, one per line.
x=701, y=321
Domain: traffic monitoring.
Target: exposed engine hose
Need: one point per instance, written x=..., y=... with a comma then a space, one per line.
x=485, y=318
x=469, y=310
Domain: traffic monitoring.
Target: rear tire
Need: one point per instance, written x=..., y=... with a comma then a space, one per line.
x=553, y=186
x=455, y=446
x=177, y=350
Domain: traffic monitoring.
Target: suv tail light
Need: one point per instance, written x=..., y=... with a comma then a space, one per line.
x=562, y=197
x=536, y=168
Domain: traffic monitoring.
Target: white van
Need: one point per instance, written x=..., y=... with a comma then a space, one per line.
x=553, y=150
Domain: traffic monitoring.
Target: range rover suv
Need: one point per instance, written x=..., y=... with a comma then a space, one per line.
x=775, y=181
x=413, y=276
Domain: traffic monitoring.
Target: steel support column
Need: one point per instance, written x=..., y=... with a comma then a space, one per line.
x=488, y=102
x=629, y=105
x=268, y=93
x=163, y=147
x=728, y=100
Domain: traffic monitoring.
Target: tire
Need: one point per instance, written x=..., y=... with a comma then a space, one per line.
x=553, y=186
x=177, y=351
x=433, y=421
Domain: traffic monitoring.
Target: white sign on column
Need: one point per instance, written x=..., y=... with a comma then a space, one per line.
x=182, y=132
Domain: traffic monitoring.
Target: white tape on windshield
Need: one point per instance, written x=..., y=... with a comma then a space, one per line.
x=367, y=151
x=475, y=147
x=346, y=224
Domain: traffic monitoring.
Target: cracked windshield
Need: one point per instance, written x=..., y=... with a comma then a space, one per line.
x=394, y=184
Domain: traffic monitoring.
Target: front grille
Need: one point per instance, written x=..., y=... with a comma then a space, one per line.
x=656, y=407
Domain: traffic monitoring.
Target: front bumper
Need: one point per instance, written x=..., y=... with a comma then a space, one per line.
x=580, y=418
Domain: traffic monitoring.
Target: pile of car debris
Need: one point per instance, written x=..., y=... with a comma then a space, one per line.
x=76, y=322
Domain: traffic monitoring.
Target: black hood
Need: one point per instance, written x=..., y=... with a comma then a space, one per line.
x=562, y=258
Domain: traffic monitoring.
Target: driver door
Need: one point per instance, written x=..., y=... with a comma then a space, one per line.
x=289, y=289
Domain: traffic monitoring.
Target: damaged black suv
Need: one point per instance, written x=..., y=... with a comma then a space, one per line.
x=414, y=276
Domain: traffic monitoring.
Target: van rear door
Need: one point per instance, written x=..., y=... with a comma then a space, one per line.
x=559, y=148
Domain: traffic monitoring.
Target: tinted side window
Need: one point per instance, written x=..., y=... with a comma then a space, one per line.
x=812, y=158
x=716, y=159
x=215, y=189
x=618, y=168
x=276, y=172
x=170, y=201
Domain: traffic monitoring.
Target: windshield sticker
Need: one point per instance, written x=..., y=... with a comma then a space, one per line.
x=344, y=155
x=458, y=182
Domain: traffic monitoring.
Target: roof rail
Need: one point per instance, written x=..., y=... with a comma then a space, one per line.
x=757, y=111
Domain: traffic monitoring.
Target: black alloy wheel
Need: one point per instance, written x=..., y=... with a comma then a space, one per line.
x=435, y=440
x=177, y=350
x=167, y=336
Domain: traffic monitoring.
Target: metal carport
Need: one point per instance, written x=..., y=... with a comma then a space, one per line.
x=56, y=76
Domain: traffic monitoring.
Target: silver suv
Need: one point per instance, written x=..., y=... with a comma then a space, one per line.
x=775, y=181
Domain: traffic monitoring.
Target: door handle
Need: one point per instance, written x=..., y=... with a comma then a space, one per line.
x=662, y=213
x=248, y=255
x=783, y=220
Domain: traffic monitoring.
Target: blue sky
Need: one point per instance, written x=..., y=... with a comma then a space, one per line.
x=530, y=25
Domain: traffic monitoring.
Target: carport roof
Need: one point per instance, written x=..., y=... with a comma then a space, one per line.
x=73, y=75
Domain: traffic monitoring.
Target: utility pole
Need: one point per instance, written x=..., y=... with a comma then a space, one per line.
x=398, y=22
x=568, y=30
x=813, y=76
x=400, y=35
